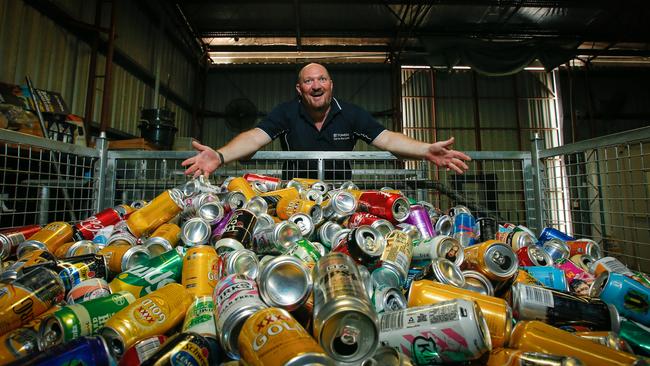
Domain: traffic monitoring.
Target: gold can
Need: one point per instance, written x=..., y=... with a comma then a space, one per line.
x=153, y=314
x=289, y=192
x=62, y=250
x=200, y=270
x=535, y=336
x=609, y=339
x=494, y=259
x=513, y=357
x=272, y=337
x=162, y=209
x=496, y=311
x=287, y=207
x=164, y=238
x=120, y=257
x=49, y=238
x=240, y=184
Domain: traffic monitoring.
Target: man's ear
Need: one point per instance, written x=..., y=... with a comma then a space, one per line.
x=298, y=90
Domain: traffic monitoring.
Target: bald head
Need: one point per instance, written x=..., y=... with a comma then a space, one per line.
x=315, y=88
x=312, y=66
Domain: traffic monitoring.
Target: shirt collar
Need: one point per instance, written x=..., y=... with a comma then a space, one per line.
x=335, y=108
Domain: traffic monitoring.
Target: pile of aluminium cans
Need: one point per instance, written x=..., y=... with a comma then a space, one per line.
x=256, y=271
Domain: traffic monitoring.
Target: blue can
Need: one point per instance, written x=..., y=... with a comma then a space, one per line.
x=551, y=233
x=464, y=224
x=80, y=351
x=550, y=277
x=630, y=297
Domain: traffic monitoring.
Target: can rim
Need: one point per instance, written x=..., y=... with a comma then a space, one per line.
x=129, y=256
x=264, y=278
x=481, y=279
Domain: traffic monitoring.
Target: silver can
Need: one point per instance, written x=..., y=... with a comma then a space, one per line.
x=388, y=356
x=411, y=230
x=385, y=276
x=338, y=237
x=388, y=298
x=313, y=195
x=327, y=231
x=304, y=223
x=348, y=185
x=339, y=206
x=443, y=271
x=444, y=225
x=477, y=282
x=366, y=280
x=443, y=246
x=276, y=239
x=557, y=249
x=241, y=261
x=257, y=205
x=195, y=231
x=284, y=282
x=232, y=200
x=539, y=257
x=259, y=187
x=82, y=247
x=345, y=323
x=263, y=221
x=383, y=226
x=211, y=212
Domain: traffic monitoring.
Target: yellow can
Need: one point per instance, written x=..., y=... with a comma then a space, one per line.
x=287, y=207
x=535, y=336
x=200, y=270
x=61, y=251
x=153, y=314
x=514, y=357
x=120, y=257
x=168, y=233
x=306, y=183
x=289, y=192
x=494, y=259
x=496, y=311
x=162, y=209
x=272, y=337
x=49, y=238
x=240, y=184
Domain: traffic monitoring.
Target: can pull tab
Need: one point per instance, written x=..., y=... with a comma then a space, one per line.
x=346, y=341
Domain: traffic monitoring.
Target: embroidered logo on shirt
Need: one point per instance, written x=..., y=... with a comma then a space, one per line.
x=341, y=136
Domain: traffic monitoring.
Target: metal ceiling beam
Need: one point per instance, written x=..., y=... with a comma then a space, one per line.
x=500, y=3
x=304, y=48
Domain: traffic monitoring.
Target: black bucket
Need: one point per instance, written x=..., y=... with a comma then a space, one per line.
x=157, y=127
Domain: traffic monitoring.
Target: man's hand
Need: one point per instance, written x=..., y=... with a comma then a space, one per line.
x=204, y=162
x=441, y=154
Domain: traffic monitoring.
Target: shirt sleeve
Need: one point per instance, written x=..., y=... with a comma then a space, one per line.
x=276, y=122
x=366, y=127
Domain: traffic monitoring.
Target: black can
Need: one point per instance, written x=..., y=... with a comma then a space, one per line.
x=487, y=229
x=184, y=349
x=240, y=228
x=364, y=244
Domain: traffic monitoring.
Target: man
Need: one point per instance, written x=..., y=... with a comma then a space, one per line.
x=318, y=122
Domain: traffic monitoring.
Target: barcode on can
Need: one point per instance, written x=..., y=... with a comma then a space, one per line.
x=614, y=265
x=538, y=295
x=442, y=313
x=391, y=320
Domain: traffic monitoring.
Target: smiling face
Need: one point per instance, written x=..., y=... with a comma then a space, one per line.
x=315, y=87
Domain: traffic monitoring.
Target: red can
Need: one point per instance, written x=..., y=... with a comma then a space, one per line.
x=390, y=206
x=361, y=218
x=272, y=183
x=142, y=350
x=364, y=244
x=88, y=228
x=11, y=238
x=533, y=256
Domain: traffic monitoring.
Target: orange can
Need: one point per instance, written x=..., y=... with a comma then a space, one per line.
x=535, y=336
x=200, y=270
x=49, y=238
x=62, y=250
x=120, y=257
x=494, y=259
x=287, y=207
x=272, y=337
x=496, y=311
x=240, y=184
x=164, y=238
x=162, y=209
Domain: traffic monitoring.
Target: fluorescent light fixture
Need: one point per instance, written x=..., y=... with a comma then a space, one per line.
x=461, y=67
x=534, y=68
x=415, y=67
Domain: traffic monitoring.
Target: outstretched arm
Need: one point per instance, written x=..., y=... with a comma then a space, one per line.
x=439, y=153
x=208, y=160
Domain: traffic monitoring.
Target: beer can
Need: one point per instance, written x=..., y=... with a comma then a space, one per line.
x=609, y=264
x=18, y=344
x=89, y=289
x=236, y=298
x=608, y=339
x=363, y=244
x=550, y=233
x=313, y=195
x=579, y=280
x=163, y=239
x=444, y=226
x=390, y=206
x=419, y=217
x=88, y=228
x=122, y=257
x=486, y=229
x=496, y=311
x=276, y=239
x=494, y=259
x=81, y=351
x=61, y=252
x=585, y=246
x=240, y=261
x=397, y=254
x=556, y=249
x=239, y=228
x=241, y=185
x=450, y=331
x=152, y=275
x=326, y=233
x=443, y=271
x=559, y=308
x=82, y=247
x=142, y=350
x=287, y=207
x=477, y=282
x=11, y=238
x=152, y=314
x=410, y=230
x=631, y=298
x=124, y=210
x=200, y=270
x=272, y=337
x=338, y=206
x=636, y=336
x=533, y=256
x=550, y=277
x=304, y=223
x=272, y=183
x=387, y=298
x=121, y=237
x=15, y=269
x=513, y=357
x=257, y=205
x=79, y=320
x=464, y=229
x=344, y=323
x=583, y=261
x=284, y=282
x=535, y=336
x=232, y=201
x=159, y=211
x=49, y=238
x=200, y=317
x=195, y=231
x=183, y=349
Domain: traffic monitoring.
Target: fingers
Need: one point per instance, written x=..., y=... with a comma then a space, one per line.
x=461, y=156
x=447, y=143
x=198, y=146
x=459, y=163
x=455, y=168
x=193, y=168
x=188, y=161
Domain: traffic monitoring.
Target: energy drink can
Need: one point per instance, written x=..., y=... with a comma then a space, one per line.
x=450, y=331
x=304, y=223
x=241, y=185
x=345, y=323
x=475, y=281
x=142, y=350
x=89, y=289
x=496, y=311
x=272, y=337
x=78, y=320
x=200, y=272
x=183, y=349
x=585, y=246
x=387, y=298
x=236, y=298
x=364, y=244
x=464, y=229
x=11, y=238
x=419, y=217
x=284, y=282
x=551, y=233
x=163, y=239
x=88, y=228
x=631, y=298
x=17, y=344
x=159, y=211
x=49, y=238
x=549, y=276
x=153, y=314
x=145, y=278
x=535, y=336
x=533, y=256
x=560, y=308
x=397, y=254
x=579, y=281
x=390, y=206
x=239, y=229
x=494, y=259
x=81, y=351
x=276, y=239
x=556, y=249
x=121, y=257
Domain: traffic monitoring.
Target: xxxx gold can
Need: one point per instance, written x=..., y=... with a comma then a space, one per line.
x=159, y=211
x=120, y=257
x=200, y=270
x=49, y=238
x=272, y=337
x=61, y=251
x=288, y=207
x=494, y=259
x=496, y=311
x=535, y=336
x=241, y=185
x=153, y=314
x=164, y=238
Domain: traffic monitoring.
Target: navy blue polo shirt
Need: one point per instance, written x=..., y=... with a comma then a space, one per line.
x=345, y=124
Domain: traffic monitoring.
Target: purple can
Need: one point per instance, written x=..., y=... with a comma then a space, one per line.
x=551, y=233
x=419, y=217
x=220, y=227
x=464, y=229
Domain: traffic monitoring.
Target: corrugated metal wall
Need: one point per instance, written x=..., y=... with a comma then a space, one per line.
x=267, y=86
x=32, y=44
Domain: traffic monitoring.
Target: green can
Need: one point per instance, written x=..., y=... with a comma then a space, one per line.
x=636, y=336
x=143, y=279
x=200, y=317
x=306, y=252
x=79, y=320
